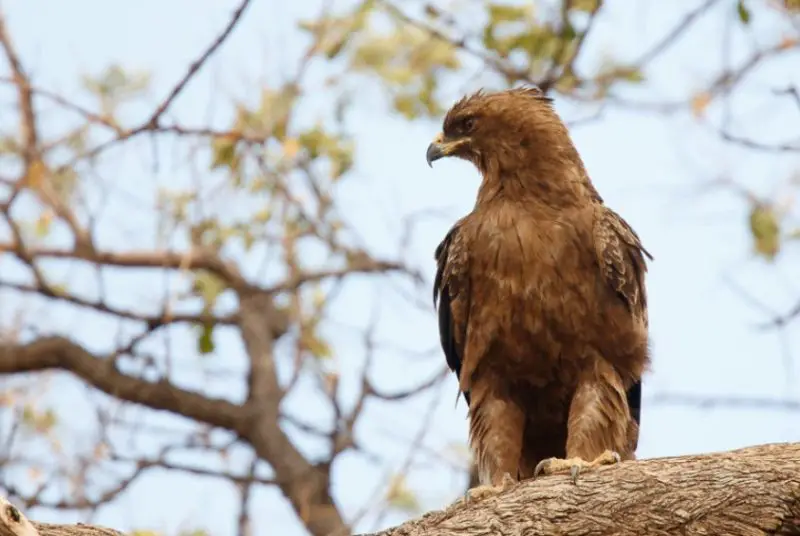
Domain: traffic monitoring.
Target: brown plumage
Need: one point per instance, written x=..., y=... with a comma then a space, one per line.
x=542, y=304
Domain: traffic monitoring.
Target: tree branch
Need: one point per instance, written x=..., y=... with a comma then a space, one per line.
x=61, y=353
x=750, y=491
x=724, y=402
x=744, y=492
x=194, y=259
x=306, y=486
x=198, y=63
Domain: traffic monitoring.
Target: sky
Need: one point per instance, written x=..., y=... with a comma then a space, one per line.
x=651, y=168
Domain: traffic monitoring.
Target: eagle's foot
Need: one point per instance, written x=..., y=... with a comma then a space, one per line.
x=479, y=493
x=551, y=466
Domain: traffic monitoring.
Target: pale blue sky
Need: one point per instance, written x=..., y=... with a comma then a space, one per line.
x=650, y=168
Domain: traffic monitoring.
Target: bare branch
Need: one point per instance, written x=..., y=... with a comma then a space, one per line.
x=193, y=259
x=724, y=402
x=760, y=146
x=402, y=395
x=30, y=138
x=722, y=84
x=152, y=123
x=247, y=479
x=163, y=319
x=674, y=34
x=362, y=265
x=563, y=63
x=198, y=64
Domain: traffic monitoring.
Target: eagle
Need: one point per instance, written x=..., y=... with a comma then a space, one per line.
x=541, y=297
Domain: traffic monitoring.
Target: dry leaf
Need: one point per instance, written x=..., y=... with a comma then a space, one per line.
x=290, y=147
x=699, y=104
x=34, y=473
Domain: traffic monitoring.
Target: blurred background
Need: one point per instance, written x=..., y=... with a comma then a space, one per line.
x=217, y=235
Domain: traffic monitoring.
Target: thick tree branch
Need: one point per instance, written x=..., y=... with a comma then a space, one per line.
x=61, y=353
x=303, y=484
x=744, y=492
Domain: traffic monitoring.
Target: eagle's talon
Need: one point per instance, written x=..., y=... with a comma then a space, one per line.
x=542, y=467
x=608, y=457
x=551, y=466
x=479, y=493
x=507, y=482
x=575, y=470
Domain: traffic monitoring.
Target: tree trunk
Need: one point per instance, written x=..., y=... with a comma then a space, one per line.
x=746, y=492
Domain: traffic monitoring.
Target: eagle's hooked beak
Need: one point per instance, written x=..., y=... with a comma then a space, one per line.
x=439, y=148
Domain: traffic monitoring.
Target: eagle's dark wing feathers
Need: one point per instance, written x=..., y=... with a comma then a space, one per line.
x=450, y=284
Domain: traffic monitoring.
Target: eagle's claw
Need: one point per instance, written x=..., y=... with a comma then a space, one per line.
x=551, y=466
x=481, y=492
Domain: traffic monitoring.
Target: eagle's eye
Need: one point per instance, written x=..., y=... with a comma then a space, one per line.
x=463, y=126
x=467, y=124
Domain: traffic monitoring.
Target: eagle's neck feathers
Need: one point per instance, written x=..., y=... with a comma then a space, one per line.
x=558, y=183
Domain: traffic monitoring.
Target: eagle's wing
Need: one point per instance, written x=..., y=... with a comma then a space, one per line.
x=621, y=257
x=451, y=290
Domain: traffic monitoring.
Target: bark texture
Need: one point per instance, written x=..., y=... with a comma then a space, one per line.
x=747, y=492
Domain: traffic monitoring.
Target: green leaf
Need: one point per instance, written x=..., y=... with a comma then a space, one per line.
x=145, y=533
x=208, y=286
x=568, y=32
x=115, y=85
x=313, y=141
x=589, y=6
x=205, y=341
x=58, y=289
x=401, y=497
x=64, y=183
x=630, y=74
x=765, y=230
x=38, y=421
x=42, y=226
x=223, y=153
x=314, y=344
x=406, y=105
x=499, y=13
x=744, y=13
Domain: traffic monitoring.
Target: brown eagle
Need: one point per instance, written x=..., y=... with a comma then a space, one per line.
x=541, y=296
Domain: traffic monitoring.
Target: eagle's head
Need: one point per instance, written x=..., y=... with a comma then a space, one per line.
x=513, y=134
